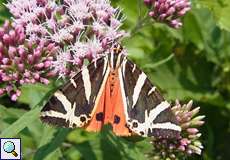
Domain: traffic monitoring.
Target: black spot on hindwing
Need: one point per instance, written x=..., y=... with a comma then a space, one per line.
x=116, y=119
x=100, y=116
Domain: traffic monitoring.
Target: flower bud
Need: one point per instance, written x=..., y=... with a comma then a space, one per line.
x=168, y=11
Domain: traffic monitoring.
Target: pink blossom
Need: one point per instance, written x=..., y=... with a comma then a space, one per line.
x=189, y=142
x=82, y=29
x=22, y=61
x=168, y=11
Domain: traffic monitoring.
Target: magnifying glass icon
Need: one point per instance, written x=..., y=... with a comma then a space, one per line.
x=9, y=147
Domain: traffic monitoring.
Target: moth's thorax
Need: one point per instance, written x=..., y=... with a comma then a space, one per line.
x=115, y=60
x=115, y=57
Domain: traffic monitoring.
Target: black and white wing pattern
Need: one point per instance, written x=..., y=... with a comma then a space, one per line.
x=72, y=105
x=147, y=113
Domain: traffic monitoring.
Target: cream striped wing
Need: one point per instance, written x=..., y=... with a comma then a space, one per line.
x=147, y=113
x=72, y=105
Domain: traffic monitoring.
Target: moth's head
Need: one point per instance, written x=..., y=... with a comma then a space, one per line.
x=117, y=48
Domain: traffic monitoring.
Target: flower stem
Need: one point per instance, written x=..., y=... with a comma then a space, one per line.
x=161, y=62
x=141, y=21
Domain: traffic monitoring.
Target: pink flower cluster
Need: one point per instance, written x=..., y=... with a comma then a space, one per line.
x=189, y=142
x=22, y=62
x=168, y=11
x=83, y=29
x=189, y=121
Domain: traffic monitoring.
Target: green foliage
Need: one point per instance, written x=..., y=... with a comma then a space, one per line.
x=4, y=12
x=220, y=9
x=190, y=63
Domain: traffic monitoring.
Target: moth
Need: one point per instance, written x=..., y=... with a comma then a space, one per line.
x=112, y=90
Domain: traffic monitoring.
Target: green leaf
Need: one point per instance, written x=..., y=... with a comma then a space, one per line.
x=33, y=93
x=51, y=145
x=4, y=13
x=25, y=119
x=10, y=112
x=90, y=146
x=9, y=115
x=21, y=123
x=47, y=135
x=184, y=81
x=220, y=10
x=57, y=154
x=193, y=30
